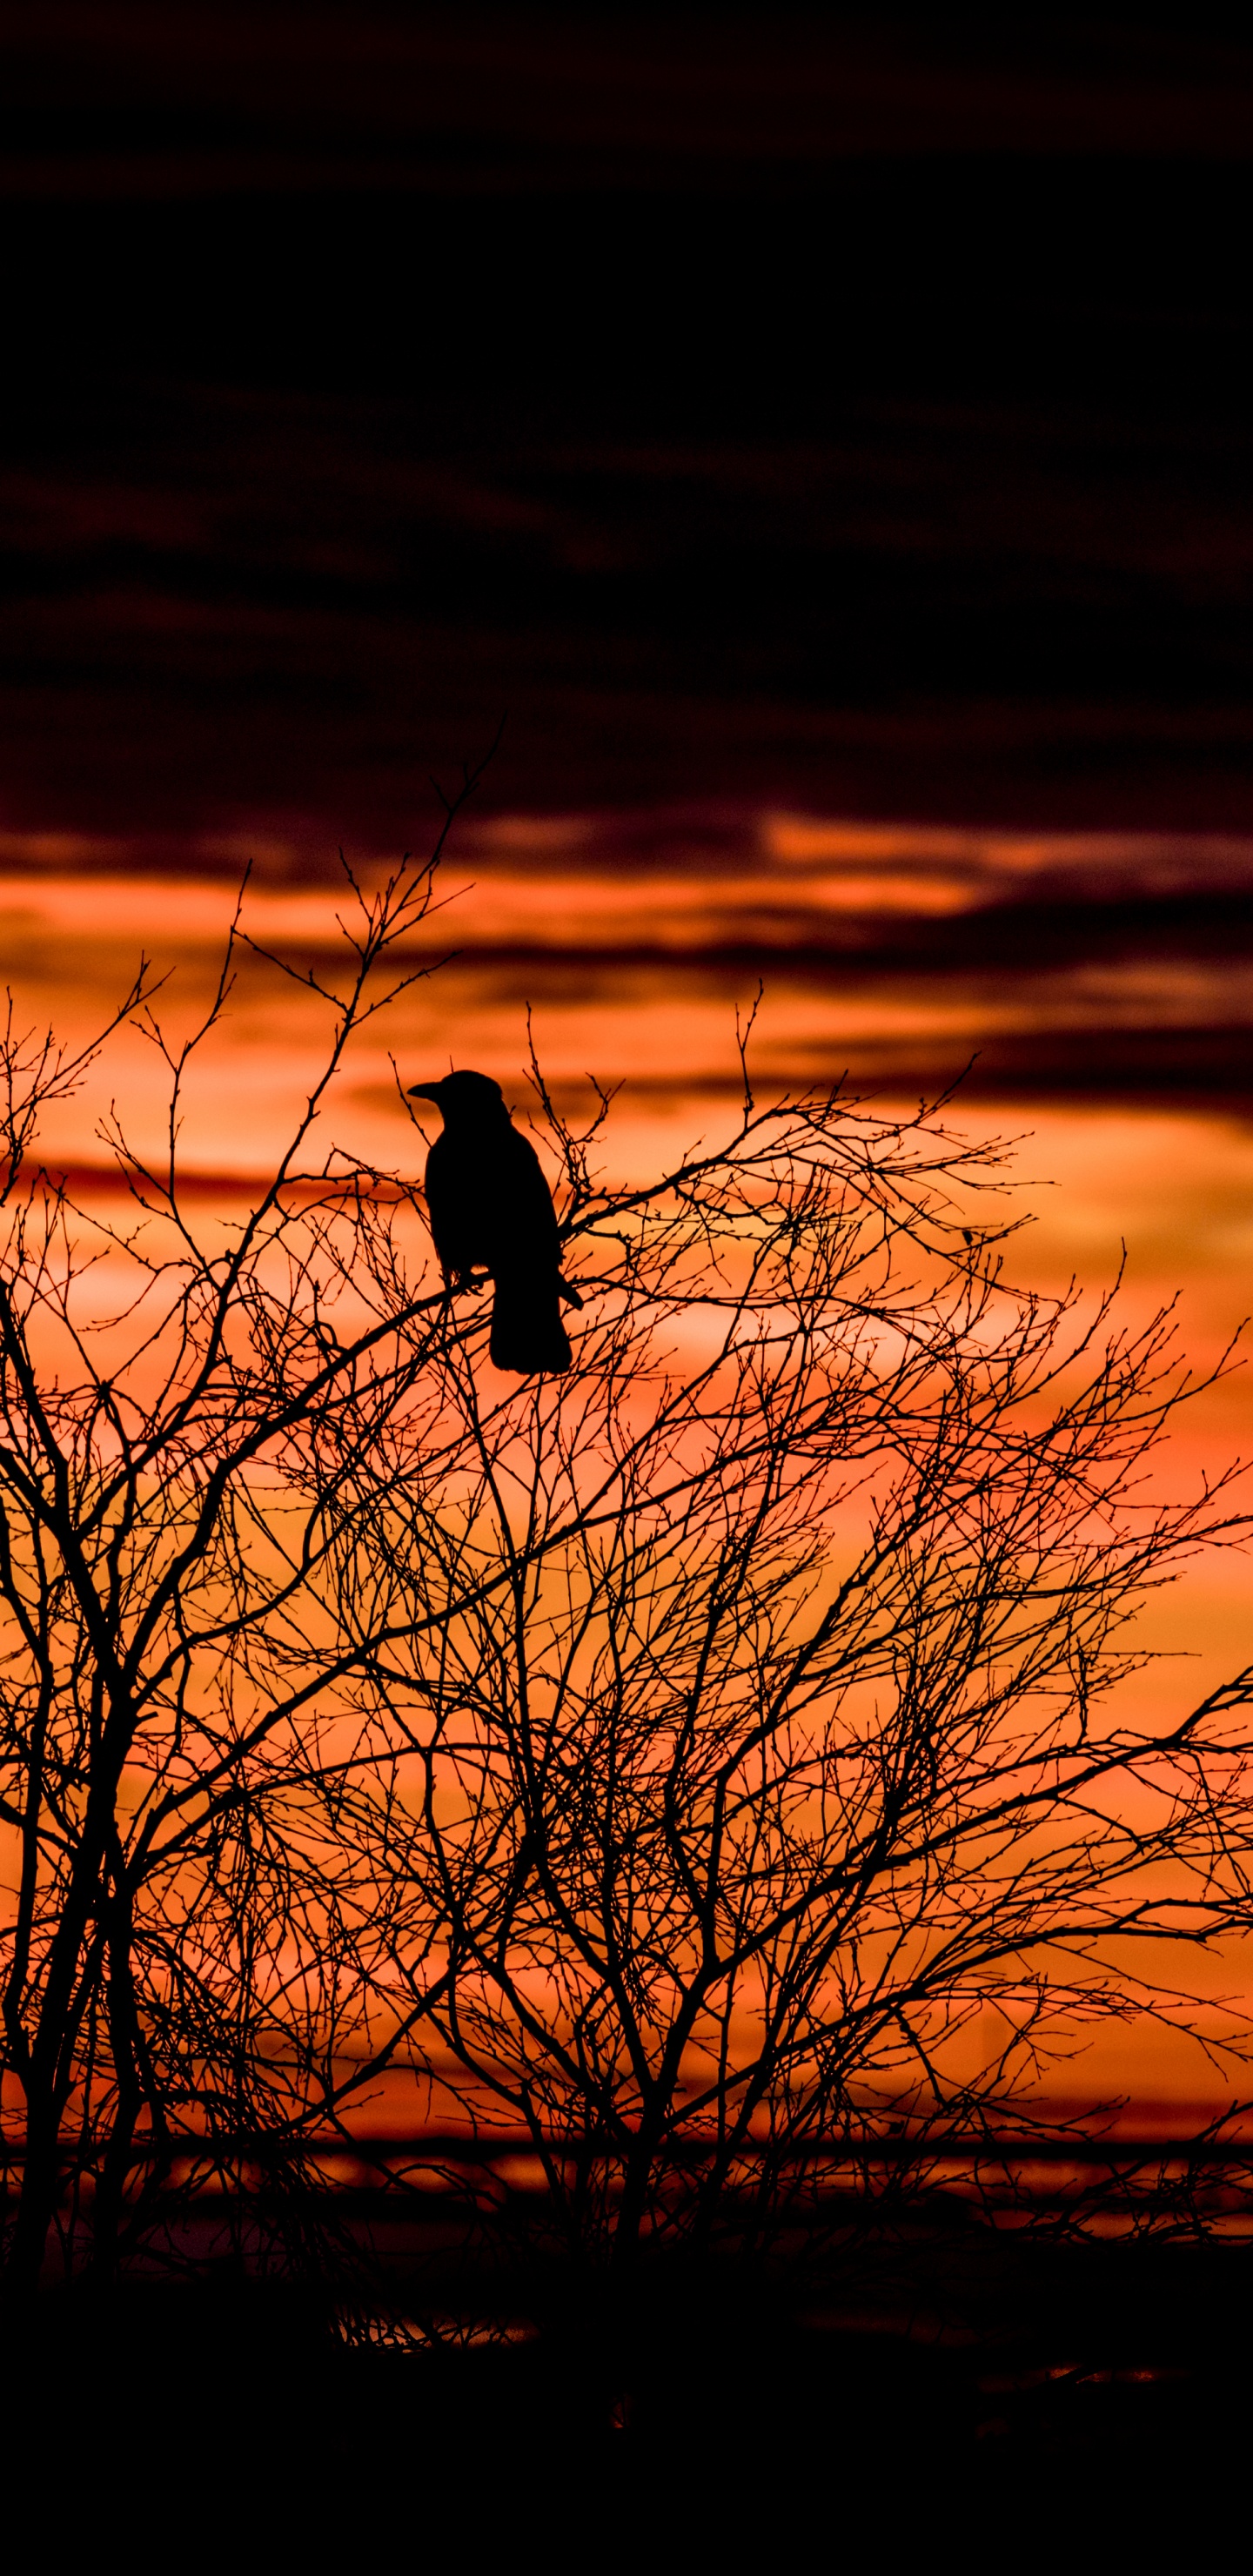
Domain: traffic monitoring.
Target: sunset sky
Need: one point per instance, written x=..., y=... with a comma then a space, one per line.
x=825, y=441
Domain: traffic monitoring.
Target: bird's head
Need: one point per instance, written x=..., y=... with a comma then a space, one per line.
x=465, y=1099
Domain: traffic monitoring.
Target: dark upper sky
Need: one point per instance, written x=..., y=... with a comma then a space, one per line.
x=845, y=411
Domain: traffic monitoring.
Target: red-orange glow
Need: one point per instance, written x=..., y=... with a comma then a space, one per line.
x=633, y=969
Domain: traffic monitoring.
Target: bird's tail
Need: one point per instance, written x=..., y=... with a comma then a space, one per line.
x=527, y=1330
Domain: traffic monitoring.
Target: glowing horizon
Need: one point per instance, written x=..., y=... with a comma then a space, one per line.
x=634, y=963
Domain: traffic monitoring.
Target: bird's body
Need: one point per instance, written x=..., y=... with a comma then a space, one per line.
x=491, y=1209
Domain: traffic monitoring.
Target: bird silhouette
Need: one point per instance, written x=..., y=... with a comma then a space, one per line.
x=491, y=1209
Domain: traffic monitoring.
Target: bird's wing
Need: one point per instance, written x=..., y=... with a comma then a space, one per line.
x=526, y=1211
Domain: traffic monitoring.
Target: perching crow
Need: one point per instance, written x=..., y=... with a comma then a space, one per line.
x=491, y=1209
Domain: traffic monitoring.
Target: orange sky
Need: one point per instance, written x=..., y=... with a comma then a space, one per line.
x=621, y=967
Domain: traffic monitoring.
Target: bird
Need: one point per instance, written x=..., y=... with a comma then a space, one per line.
x=491, y=1209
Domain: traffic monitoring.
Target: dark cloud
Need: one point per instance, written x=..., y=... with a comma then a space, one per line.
x=816, y=409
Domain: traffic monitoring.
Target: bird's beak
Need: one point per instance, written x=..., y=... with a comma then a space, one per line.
x=424, y=1091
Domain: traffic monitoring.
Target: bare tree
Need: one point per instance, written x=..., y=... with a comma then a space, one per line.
x=691, y=1762
x=169, y=1639
x=765, y=1758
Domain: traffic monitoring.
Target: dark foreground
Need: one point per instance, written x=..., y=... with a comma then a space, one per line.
x=1020, y=2399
